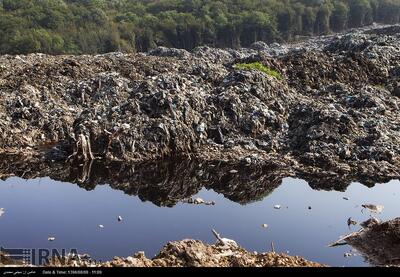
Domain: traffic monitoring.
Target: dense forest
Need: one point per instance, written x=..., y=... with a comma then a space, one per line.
x=98, y=26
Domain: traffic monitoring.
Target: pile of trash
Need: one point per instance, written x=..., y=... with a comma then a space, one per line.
x=192, y=253
x=334, y=110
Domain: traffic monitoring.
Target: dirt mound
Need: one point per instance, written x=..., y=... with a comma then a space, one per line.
x=193, y=253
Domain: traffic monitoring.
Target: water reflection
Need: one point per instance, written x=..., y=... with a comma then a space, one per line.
x=48, y=205
x=165, y=183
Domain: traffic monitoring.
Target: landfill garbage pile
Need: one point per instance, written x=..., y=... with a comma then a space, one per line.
x=188, y=253
x=335, y=109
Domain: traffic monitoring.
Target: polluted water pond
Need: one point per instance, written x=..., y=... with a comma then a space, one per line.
x=152, y=216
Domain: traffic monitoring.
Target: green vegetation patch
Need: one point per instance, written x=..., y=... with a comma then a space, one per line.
x=260, y=67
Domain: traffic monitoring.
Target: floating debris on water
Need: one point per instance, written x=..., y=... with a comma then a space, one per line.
x=2, y=211
x=51, y=238
x=264, y=225
x=119, y=218
x=277, y=207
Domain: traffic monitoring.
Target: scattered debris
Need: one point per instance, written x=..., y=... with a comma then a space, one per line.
x=198, y=201
x=224, y=241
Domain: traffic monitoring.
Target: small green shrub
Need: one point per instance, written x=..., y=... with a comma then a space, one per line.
x=260, y=67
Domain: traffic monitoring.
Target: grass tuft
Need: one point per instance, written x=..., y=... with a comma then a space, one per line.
x=260, y=67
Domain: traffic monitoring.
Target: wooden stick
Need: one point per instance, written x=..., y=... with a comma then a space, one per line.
x=218, y=236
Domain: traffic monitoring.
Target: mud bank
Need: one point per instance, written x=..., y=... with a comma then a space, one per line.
x=334, y=112
x=189, y=253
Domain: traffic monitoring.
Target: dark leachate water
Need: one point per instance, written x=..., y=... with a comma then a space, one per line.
x=39, y=208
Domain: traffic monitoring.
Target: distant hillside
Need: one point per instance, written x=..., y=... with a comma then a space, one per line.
x=98, y=26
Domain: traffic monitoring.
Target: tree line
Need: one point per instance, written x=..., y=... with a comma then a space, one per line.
x=99, y=26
